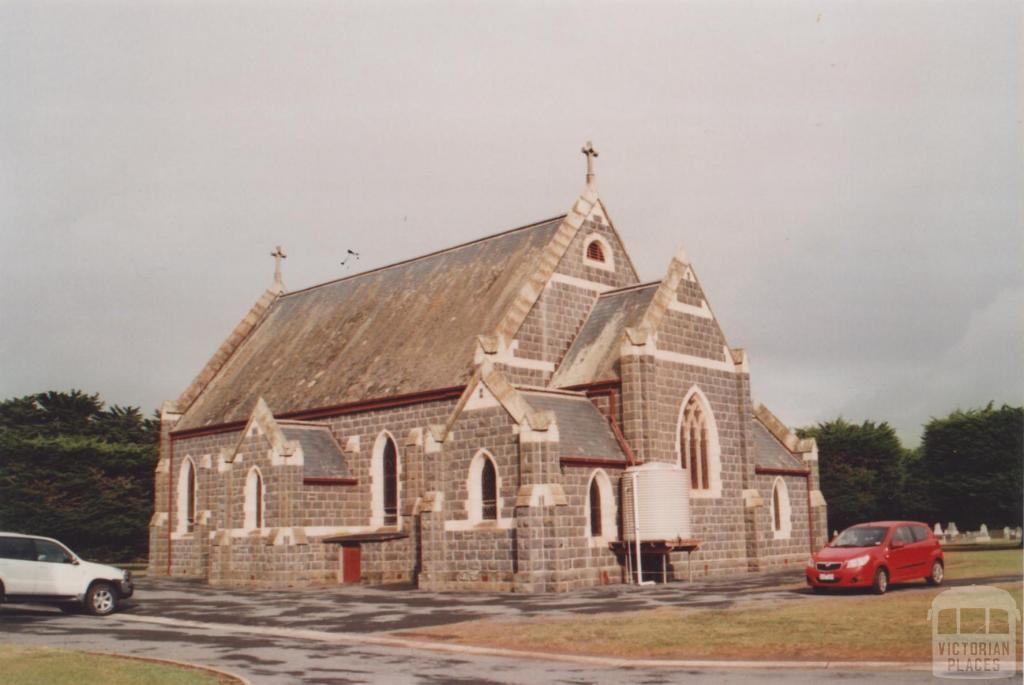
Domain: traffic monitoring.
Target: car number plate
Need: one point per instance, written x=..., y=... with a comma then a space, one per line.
x=826, y=576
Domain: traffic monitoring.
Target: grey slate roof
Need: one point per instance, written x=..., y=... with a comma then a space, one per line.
x=594, y=355
x=401, y=329
x=582, y=429
x=322, y=454
x=769, y=452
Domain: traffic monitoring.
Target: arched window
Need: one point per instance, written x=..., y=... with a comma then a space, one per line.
x=191, y=506
x=595, y=251
x=782, y=522
x=390, y=483
x=187, y=496
x=600, y=508
x=482, y=488
x=698, y=446
x=255, y=499
x=385, y=471
x=489, y=492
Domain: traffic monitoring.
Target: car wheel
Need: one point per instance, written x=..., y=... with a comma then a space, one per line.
x=101, y=599
x=70, y=607
x=937, y=574
x=881, y=581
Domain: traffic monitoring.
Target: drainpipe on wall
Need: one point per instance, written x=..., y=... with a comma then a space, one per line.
x=636, y=534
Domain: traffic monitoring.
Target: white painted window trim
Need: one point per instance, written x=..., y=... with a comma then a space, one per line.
x=609, y=258
x=181, y=520
x=609, y=524
x=714, y=490
x=377, y=480
x=474, y=489
x=252, y=478
x=785, y=510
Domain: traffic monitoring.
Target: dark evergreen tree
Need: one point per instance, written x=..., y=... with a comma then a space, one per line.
x=72, y=470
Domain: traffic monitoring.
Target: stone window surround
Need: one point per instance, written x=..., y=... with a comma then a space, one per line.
x=377, y=481
x=714, y=490
x=609, y=258
x=474, y=491
x=609, y=525
x=182, y=528
x=253, y=479
x=785, y=529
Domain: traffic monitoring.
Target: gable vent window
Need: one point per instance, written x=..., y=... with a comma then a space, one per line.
x=597, y=253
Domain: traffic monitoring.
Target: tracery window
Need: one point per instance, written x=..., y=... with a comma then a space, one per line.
x=695, y=445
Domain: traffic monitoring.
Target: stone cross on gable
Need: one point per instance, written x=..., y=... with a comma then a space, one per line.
x=278, y=254
x=590, y=152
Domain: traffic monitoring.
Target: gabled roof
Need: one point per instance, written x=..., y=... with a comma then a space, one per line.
x=770, y=453
x=400, y=329
x=594, y=354
x=322, y=455
x=582, y=430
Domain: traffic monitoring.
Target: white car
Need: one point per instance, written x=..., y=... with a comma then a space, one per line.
x=36, y=570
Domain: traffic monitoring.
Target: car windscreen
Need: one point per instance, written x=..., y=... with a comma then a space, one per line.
x=861, y=536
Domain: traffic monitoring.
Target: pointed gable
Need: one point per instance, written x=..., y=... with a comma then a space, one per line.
x=594, y=354
x=401, y=329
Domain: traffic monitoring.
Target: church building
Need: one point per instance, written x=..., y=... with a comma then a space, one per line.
x=517, y=413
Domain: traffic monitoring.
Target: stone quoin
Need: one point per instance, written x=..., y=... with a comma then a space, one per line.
x=463, y=420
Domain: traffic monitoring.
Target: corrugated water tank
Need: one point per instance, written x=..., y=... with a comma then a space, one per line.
x=663, y=498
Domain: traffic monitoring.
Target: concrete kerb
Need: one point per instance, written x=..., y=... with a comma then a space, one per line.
x=242, y=680
x=613, y=662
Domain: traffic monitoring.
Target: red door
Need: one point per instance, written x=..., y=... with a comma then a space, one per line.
x=351, y=561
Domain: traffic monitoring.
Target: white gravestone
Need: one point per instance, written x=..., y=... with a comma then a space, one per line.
x=983, y=535
x=938, y=530
x=951, y=530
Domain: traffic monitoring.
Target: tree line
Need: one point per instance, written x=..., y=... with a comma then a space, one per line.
x=968, y=470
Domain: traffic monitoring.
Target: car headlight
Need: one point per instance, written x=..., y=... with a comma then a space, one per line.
x=857, y=562
x=810, y=562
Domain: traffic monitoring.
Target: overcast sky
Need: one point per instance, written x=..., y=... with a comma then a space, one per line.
x=845, y=176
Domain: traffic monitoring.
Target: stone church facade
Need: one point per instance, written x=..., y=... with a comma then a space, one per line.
x=462, y=420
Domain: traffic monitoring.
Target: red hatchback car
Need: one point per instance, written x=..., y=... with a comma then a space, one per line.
x=877, y=554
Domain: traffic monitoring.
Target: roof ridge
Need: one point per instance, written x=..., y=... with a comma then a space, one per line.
x=625, y=288
x=435, y=253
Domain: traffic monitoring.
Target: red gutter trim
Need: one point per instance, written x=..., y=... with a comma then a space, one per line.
x=596, y=386
x=330, y=481
x=768, y=471
x=592, y=461
x=170, y=498
x=336, y=410
x=630, y=457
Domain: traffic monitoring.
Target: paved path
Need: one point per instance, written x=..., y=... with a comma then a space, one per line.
x=275, y=661
x=268, y=659
x=363, y=609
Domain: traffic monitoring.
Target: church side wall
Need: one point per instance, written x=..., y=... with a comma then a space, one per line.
x=792, y=549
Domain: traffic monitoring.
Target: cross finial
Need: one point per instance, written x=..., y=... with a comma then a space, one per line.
x=590, y=152
x=278, y=254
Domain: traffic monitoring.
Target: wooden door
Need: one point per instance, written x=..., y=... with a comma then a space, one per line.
x=351, y=563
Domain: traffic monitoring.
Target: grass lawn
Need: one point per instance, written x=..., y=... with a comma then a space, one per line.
x=964, y=563
x=890, y=627
x=42, y=666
